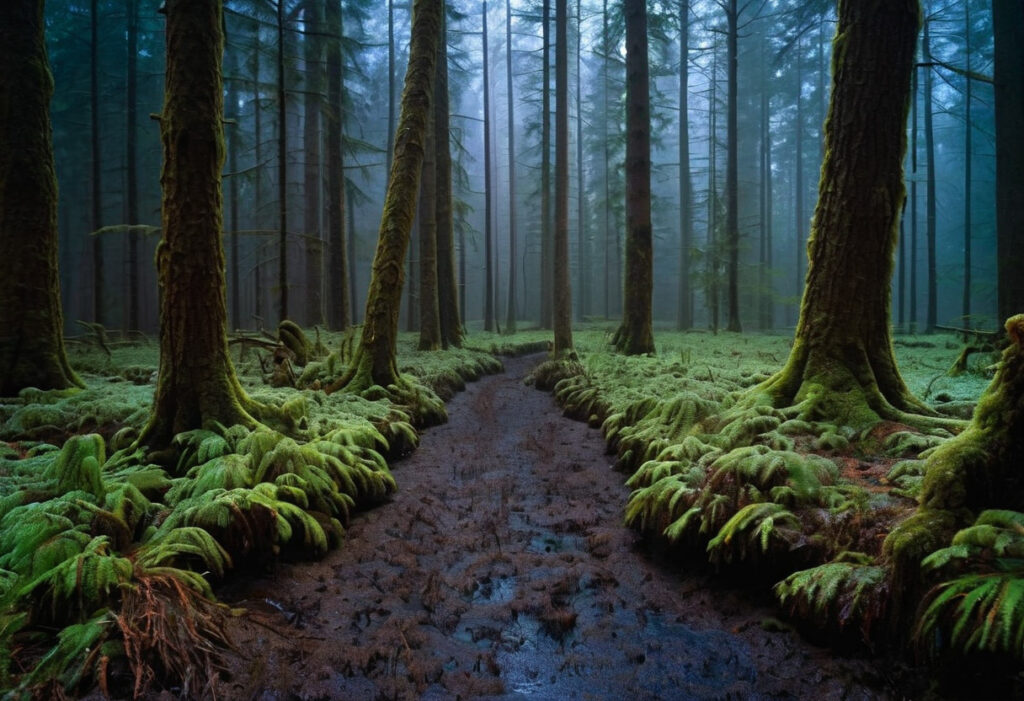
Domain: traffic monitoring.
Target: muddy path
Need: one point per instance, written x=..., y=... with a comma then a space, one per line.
x=501, y=570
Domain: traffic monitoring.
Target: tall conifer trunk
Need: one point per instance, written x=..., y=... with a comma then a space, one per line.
x=196, y=383
x=31, y=320
x=634, y=335
x=447, y=286
x=562, y=293
x=374, y=362
x=842, y=366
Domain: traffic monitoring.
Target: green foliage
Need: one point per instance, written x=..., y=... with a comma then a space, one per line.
x=227, y=472
x=982, y=608
x=78, y=466
x=904, y=443
x=759, y=527
x=71, y=660
x=186, y=547
x=81, y=584
x=849, y=590
x=197, y=447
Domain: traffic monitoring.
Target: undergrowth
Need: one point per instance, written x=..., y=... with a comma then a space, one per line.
x=107, y=561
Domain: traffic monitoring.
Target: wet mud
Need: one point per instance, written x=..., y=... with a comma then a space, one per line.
x=501, y=570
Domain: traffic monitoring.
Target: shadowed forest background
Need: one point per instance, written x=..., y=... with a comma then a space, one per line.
x=107, y=60
x=770, y=249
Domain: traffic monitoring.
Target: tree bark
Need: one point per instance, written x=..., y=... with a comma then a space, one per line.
x=312, y=182
x=430, y=315
x=374, y=363
x=99, y=305
x=634, y=335
x=547, y=270
x=562, y=292
x=196, y=384
x=510, y=317
x=842, y=365
x=931, y=312
x=339, y=316
x=31, y=320
x=488, y=231
x=1008, y=25
x=131, y=161
x=965, y=304
x=282, y=172
x=684, y=301
x=447, y=286
x=732, y=202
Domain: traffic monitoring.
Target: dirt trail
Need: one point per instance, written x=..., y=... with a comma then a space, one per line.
x=501, y=570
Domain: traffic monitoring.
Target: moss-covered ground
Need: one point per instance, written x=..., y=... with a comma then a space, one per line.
x=90, y=531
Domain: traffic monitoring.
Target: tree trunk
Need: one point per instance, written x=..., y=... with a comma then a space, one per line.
x=282, y=172
x=131, y=161
x=430, y=315
x=338, y=307
x=233, y=206
x=929, y=147
x=607, y=229
x=562, y=292
x=96, y=222
x=374, y=363
x=488, y=214
x=766, y=297
x=510, y=317
x=732, y=204
x=583, y=290
x=684, y=301
x=547, y=270
x=801, y=217
x=912, y=252
x=312, y=182
x=447, y=286
x=353, y=292
x=1008, y=25
x=842, y=367
x=634, y=335
x=31, y=320
x=196, y=384
x=965, y=306
x=712, y=244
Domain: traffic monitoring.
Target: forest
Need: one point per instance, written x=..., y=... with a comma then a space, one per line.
x=425, y=349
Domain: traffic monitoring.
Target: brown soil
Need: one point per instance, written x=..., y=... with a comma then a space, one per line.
x=501, y=569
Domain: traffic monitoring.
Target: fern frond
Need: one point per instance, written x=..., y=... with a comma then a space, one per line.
x=78, y=466
x=846, y=590
x=226, y=472
x=184, y=547
x=762, y=524
x=197, y=447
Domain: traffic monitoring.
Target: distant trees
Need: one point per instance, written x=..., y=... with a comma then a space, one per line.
x=31, y=319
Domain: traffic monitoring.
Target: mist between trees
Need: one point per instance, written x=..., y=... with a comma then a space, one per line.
x=311, y=92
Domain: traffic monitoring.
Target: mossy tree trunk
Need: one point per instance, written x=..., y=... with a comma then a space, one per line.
x=196, y=384
x=634, y=335
x=732, y=188
x=31, y=320
x=562, y=292
x=430, y=314
x=1008, y=26
x=977, y=470
x=447, y=285
x=312, y=184
x=338, y=316
x=842, y=364
x=374, y=362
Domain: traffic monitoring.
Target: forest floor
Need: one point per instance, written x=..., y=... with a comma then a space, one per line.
x=501, y=569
